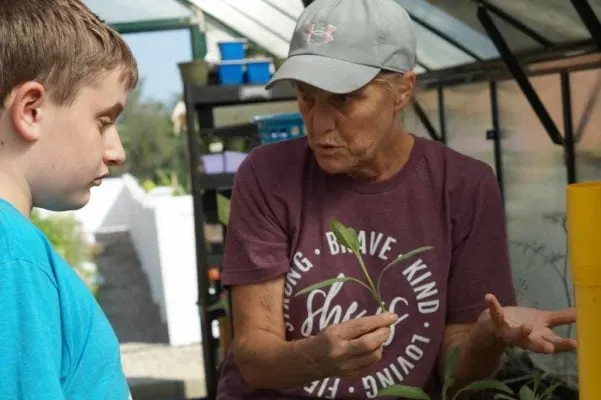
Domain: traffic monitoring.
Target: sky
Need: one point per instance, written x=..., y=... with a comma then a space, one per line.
x=157, y=54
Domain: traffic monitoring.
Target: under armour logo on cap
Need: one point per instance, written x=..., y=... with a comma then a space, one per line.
x=341, y=45
x=312, y=35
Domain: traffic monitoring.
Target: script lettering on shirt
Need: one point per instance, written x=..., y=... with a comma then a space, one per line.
x=322, y=310
x=416, y=298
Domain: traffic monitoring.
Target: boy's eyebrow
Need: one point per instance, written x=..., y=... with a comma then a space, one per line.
x=112, y=111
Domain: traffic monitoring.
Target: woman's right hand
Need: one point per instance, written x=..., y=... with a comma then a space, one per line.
x=350, y=349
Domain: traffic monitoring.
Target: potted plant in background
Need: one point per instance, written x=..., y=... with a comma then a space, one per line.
x=194, y=72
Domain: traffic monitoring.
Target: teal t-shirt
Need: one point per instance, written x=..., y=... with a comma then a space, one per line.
x=55, y=341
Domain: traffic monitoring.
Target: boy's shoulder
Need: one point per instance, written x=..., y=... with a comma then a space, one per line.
x=20, y=239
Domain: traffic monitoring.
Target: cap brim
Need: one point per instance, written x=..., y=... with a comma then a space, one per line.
x=325, y=73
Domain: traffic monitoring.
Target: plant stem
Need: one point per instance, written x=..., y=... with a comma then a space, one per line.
x=371, y=283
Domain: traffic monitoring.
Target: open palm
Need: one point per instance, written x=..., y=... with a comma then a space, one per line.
x=530, y=328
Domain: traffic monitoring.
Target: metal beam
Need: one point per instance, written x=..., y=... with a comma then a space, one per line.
x=154, y=25
x=442, y=116
x=495, y=135
x=589, y=18
x=198, y=41
x=445, y=37
x=517, y=24
x=519, y=75
x=425, y=120
x=566, y=102
x=486, y=70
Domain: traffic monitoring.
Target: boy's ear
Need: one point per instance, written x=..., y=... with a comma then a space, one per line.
x=25, y=107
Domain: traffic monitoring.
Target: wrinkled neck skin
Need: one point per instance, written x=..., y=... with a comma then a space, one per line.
x=13, y=183
x=389, y=159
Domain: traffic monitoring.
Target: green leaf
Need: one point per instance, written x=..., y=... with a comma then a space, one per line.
x=526, y=393
x=501, y=396
x=451, y=363
x=223, y=209
x=549, y=391
x=488, y=384
x=410, y=254
x=328, y=282
x=400, y=258
x=408, y=392
x=345, y=236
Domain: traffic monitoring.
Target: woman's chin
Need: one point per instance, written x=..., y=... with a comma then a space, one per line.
x=332, y=165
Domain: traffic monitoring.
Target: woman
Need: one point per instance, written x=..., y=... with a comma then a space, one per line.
x=351, y=64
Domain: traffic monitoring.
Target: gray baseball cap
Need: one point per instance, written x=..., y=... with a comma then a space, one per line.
x=341, y=45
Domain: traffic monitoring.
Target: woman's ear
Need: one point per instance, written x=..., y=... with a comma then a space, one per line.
x=404, y=85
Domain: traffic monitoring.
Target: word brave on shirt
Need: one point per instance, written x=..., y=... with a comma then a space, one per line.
x=335, y=304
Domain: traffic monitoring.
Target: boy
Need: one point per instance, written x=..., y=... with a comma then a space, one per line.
x=65, y=78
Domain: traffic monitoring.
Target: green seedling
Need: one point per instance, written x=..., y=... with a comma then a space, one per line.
x=410, y=392
x=348, y=238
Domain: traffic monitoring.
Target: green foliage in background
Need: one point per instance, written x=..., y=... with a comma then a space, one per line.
x=64, y=236
x=152, y=147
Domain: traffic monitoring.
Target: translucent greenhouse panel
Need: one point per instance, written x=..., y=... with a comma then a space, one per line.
x=120, y=11
x=214, y=35
x=556, y=20
x=246, y=26
x=434, y=52
x=293, y=8
x=474, y=41
x=265, y=14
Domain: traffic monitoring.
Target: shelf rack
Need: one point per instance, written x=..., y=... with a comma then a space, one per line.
x=200, y=103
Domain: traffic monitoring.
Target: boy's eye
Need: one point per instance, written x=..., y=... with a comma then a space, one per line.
x=103, y=123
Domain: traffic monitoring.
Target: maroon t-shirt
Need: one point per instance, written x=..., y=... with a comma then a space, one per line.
x=282, y=203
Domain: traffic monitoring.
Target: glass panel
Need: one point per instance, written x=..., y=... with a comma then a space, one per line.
x=269, y=17
x=466, y=12
x=468, y=117
x=248, y=27
x=586, y=111
x=535, y=182
x=292, y=8
x=475, y=41
x=428, y=100
x=557, y=21
x=115, y=11
x=436, y=53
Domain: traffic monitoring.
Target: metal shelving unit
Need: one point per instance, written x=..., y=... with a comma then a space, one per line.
x=200, y=103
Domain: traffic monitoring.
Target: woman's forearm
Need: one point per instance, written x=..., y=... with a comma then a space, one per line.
x=268, y=362
x=480, y=355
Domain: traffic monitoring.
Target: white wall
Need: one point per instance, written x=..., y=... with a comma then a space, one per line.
x=161, y=227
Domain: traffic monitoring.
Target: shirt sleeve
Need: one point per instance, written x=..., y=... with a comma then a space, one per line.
x=257, y=244
x=30, y=334
x=480, y=260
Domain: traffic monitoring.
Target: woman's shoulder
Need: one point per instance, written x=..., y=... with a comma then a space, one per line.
x=277, y=161
x=452, y=163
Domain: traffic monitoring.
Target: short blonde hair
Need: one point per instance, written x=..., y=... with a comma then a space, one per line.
x=60, y=44
x=391, y=79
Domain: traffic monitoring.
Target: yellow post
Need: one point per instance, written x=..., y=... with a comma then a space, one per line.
x=584, y=247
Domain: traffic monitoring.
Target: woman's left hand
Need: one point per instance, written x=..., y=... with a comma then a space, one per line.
x=530, y=328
